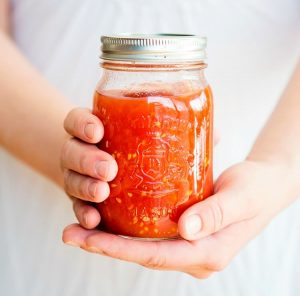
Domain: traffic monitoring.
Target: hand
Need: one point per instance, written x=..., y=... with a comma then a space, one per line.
x=247, y=196
x=86, y=168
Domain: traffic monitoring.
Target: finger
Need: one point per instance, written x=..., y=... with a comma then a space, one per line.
x=212, y=215
x=85, y=188
x=88, y=160
x=199, y=258
x=86, y=214
x=75, y=235
x=140, y=252
x=82, y=124
x=155, y=255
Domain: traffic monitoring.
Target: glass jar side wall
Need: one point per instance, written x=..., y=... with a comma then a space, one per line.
x=158, y=126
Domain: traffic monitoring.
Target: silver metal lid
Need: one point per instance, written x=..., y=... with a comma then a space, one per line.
x=156, y=48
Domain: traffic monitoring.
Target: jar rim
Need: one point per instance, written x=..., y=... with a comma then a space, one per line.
x=154, y=48
x=129, y=66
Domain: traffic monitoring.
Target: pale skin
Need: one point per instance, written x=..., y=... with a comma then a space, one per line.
x=247, y=196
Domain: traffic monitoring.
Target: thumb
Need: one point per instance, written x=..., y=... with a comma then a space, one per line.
x=211, y=215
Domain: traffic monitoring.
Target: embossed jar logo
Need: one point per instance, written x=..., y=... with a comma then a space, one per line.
x=153, y=159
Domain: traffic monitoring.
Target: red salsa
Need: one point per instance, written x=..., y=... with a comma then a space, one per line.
x=161, y=137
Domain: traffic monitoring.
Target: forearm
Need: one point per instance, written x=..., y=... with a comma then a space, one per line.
x=32, y=113
x=4, y=16
x=279, y=141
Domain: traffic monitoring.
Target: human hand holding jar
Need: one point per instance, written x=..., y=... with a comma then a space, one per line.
x=152, y=116
x=157, y=116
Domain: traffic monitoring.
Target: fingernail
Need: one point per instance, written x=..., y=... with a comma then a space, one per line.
x=85, y=218
x=102, y=168
x=92, y=249
x=89, y=130
x=193, y=224
x=71, y=243
x=92, y=189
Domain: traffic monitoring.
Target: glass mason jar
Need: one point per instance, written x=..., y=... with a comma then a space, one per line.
x=157, y=111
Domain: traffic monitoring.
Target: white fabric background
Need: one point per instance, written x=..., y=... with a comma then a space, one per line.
x=253, y=46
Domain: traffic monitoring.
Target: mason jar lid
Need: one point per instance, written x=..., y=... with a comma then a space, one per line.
x=153, y=48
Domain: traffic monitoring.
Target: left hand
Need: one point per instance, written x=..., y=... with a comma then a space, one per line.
x=247, y=197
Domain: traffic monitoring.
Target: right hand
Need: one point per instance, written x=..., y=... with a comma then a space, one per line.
x=86, y=168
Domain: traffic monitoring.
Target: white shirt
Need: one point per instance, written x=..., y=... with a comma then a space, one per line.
x=253, y=46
